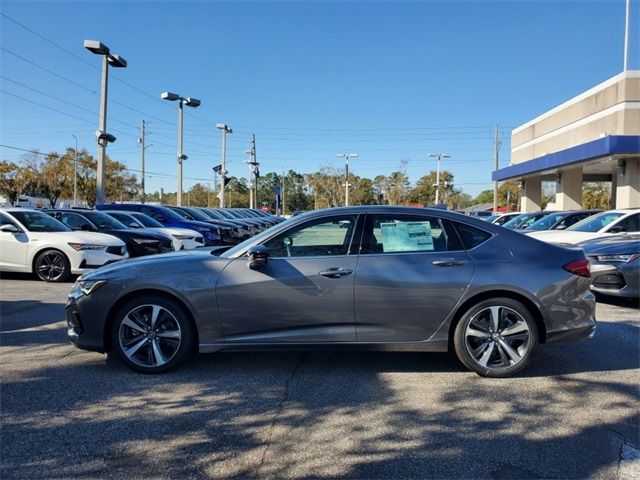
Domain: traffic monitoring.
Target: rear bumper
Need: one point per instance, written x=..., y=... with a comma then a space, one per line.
x=573, y=335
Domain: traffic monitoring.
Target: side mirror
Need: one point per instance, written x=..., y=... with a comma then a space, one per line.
x=258, y=255
x=134, y=225
x=85, y=227
x=161, y=218
x=9, y=228
x=617, y=229
x=561, y=227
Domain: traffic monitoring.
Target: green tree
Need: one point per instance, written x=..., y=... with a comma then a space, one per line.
x=363, y=192
x=12, y=180
x=424, y=193
x=198, y=195
x=596, y=195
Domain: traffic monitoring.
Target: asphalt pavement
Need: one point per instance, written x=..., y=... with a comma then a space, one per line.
x=65, y=413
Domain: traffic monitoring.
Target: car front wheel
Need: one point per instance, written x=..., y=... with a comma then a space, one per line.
x=151, y=334
x=496, y=337
x=52, y=266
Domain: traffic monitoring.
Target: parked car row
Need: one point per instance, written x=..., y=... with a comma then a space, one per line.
x=56, y=243
x=611, y=240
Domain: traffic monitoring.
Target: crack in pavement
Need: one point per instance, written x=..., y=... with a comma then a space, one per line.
x=279, y=409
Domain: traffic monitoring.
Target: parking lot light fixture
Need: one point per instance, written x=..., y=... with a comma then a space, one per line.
x=189, y=102
x=98, y=48
x=224, y=128
x=346, y=157
x=439, y=156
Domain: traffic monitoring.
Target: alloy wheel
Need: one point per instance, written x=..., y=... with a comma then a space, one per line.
x=150, y=335
x=50, y=266
x=497, y=337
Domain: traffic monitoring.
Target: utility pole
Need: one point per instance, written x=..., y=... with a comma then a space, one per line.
x=75, y=173
x=249, y=163
x=225, y=129
x=256, y=173
x=143, y=133
x=346, y=157
x=284, y=209
x=439, y=156
x=495, y=167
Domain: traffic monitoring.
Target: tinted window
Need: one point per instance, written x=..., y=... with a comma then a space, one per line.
x=103, y=221
x=630, y=224
x=408, y=233
x=324, y=236
x=146, y=220
x=159, y=212
x=74, y=220
x=5, y=221
x=545, y=223
x=471, y=237
x=123, y=218
x=39, y=222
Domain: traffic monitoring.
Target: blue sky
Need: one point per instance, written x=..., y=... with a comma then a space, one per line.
x=390, y=81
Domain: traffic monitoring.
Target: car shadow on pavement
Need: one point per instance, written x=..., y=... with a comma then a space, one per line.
x=41, y=325
x=301, y=415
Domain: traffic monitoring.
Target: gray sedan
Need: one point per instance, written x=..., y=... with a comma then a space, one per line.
x=359, y=277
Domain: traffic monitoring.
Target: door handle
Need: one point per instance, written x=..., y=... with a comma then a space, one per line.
x=335, y=272
x=448, y=262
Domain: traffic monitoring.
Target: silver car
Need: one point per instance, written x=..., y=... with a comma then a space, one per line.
x=358, y=277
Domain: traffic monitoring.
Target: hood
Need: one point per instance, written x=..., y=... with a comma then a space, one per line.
x=146, y=263
x=616, y=244
x=563, y=236
x=172, y=231
x=131, y=234
x=80, y=237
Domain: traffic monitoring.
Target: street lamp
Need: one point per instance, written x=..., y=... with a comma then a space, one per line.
x=104, y=138
x=75, y=173
x=189, y=102
x=346, y=157
x=437, y=185
x=225, y=129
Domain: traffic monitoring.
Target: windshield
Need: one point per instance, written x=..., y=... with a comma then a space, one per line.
x=40, y=222
x=545, y=223
x=146, y=220
x=595, y=222
x=515, y=221
x=104, y=221
x=198, y=215
x=168, y=213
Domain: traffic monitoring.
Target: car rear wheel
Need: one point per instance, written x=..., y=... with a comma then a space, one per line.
x=151, y=334
x=496, y=337
x=52, y=266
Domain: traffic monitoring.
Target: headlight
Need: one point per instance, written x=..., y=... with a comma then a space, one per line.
x=624, y=257
x=86, y=246
x=144, y=241
x=182, y=237
x=87, y=287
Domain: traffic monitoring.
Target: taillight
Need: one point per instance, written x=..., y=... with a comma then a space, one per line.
x=579, y=267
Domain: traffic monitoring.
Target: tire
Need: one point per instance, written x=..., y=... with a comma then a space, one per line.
x=496, y=352
x=52, y=266
x=151, y=334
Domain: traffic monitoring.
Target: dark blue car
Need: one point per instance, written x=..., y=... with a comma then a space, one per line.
x=169, y=218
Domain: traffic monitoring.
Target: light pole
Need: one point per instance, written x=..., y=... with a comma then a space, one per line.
x=75, y=173
x=189, y=102
x=439, y=156
x=104, y=138
x=225, y=129
x=346, y=157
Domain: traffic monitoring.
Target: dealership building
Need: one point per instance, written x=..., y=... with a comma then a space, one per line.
x=594, y=137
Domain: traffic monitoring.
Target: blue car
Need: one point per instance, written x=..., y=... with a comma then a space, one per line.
x=167, y=217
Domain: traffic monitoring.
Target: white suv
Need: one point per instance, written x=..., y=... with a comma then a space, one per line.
x=32, y=241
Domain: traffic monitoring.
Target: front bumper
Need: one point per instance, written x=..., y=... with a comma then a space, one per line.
x=618, y=281
x=82, y=334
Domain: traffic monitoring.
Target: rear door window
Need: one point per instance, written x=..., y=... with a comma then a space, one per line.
x=389, y=233
x=471, y=236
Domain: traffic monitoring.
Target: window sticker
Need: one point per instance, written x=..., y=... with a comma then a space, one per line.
x=406, y=237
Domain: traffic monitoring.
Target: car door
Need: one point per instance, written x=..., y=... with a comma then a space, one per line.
x=14, y=246
x=412, y=271
x=304, y=292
